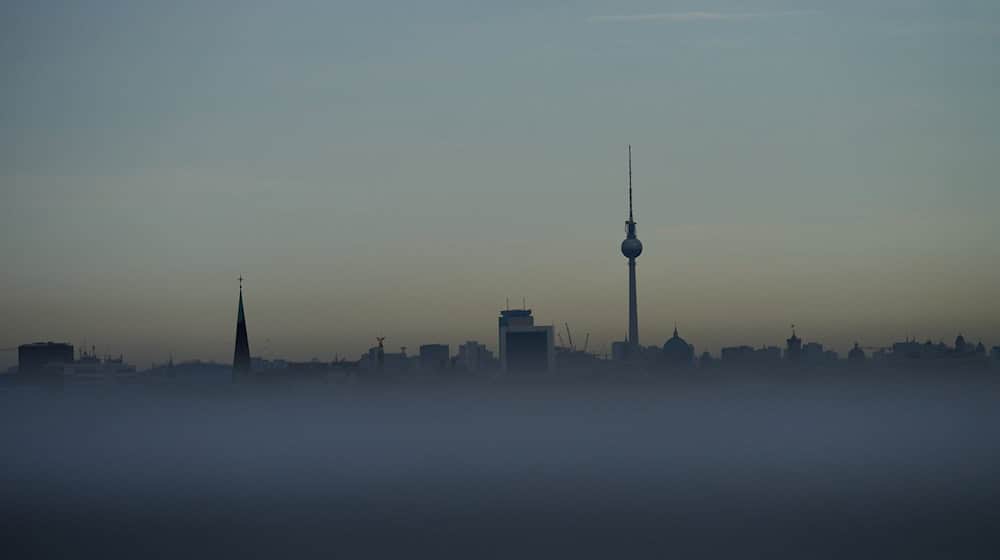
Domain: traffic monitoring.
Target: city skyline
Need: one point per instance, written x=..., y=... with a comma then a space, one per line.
x=647, y=357
x=351, y=279
x=828, y=165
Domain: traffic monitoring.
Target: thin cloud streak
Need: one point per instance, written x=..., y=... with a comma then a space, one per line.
x=677, y=17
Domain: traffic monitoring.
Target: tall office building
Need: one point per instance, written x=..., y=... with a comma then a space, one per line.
x=525, y=347
x=631, y=248
x=241, y=354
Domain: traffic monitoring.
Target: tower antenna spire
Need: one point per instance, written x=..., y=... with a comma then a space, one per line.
x=630, y=183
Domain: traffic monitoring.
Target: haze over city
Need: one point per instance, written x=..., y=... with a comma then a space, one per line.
x=398, y=170
x=520, y=279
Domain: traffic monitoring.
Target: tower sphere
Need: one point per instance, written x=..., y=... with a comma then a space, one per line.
x=631, y=247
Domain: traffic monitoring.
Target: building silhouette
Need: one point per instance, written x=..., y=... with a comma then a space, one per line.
x=619, y=350
x=90, y=368
x=434, y=357
x=525, y=347
x=813, y=353
x=749, y=356
x=856, y=355
x=793, y=347
x=631, y=249
x=396, y=362
x=677, y=352
x=963, y=354
x=474, y=357
x=736, y=355
x=960, y=345
x=38, y=357
x=241, y=353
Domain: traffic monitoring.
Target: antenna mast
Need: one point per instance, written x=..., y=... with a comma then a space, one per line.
x=630, y=183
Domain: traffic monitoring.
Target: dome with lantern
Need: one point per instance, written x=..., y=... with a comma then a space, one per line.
x=676, y=351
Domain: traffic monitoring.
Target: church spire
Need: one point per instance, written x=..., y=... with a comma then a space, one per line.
x=240, y=318
x=241, y=354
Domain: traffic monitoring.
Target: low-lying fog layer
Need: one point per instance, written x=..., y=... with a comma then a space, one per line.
x=699, y=469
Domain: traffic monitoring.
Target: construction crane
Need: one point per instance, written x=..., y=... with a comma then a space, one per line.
x=569, y=337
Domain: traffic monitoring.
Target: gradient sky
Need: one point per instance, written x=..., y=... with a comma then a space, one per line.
x=399, y=168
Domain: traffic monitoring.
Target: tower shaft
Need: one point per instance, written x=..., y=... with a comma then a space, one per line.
x=633, y=308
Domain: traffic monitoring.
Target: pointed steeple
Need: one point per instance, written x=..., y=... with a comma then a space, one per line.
x=240, y=317
x=241, y=354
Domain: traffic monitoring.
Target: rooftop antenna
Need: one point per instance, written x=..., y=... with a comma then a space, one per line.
x=524, y=302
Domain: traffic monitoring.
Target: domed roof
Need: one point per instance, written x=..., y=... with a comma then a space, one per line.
x=675, y=341
x=960, y=343
x=676, y=349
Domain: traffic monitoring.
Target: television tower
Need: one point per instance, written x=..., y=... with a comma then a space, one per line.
x=631, y=248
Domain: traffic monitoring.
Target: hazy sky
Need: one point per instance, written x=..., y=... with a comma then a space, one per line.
x=399, y=168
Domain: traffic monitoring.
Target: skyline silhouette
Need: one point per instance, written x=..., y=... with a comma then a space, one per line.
x=831, y=167
x=631, y=248
x=523, y=346
x=442, y=341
